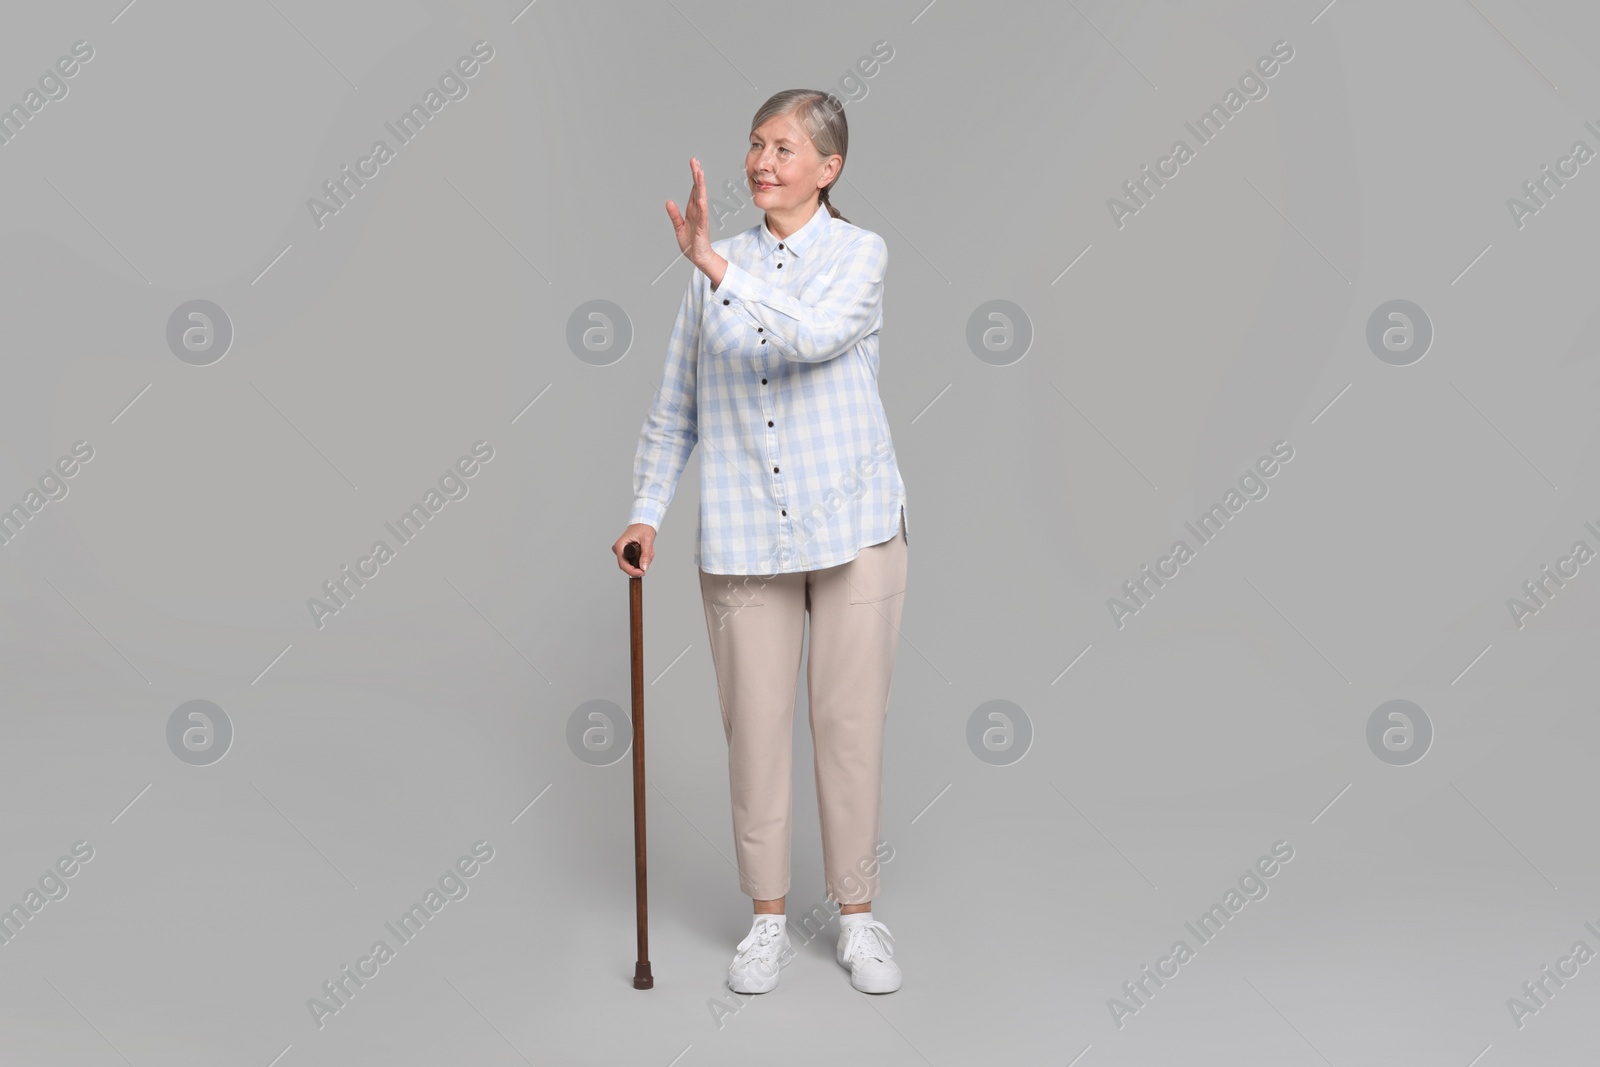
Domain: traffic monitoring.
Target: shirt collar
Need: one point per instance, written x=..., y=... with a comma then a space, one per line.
x=798, y=241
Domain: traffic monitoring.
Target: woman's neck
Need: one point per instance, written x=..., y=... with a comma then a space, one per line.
x=781, y=229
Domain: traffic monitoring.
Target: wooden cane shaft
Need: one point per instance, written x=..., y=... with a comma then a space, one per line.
x=642, y=978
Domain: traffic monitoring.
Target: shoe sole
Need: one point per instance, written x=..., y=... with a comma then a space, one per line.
x=869, y=985
x=766, y=985
x=880, y=986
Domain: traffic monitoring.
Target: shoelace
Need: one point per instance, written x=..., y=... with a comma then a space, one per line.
x=864, y=939
x=760, y=941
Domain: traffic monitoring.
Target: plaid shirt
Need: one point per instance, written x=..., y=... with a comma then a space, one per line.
x=776, y=372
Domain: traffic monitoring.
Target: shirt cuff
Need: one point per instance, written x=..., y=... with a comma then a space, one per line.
x=733, y=279
x=746, y=294
x=742, y=287
x=647, y=511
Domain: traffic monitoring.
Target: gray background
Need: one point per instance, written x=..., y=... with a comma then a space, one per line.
x=1167, y=755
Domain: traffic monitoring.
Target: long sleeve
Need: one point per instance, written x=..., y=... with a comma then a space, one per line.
x=671, y=427
x=847, y=306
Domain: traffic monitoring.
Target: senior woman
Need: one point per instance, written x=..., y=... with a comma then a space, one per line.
x=773, y=367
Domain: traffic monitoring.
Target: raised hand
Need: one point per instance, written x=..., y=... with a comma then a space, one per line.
x=693, y=227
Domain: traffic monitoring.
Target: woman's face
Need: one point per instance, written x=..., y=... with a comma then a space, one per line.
x=783, y=168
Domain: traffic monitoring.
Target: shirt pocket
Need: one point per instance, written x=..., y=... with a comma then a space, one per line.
x=721, y=334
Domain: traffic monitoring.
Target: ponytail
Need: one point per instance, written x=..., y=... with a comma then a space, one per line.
x=829, y=205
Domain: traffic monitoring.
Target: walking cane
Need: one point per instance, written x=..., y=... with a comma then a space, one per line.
x=641, y=969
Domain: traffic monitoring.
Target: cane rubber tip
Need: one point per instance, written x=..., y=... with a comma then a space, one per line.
x=641, y=976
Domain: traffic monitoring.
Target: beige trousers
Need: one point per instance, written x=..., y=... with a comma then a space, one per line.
x=756, y=624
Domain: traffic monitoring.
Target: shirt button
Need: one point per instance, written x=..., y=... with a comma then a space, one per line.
x=774, y=470
x=724, y=301
x=763, y=340
x=780, y=244
x=780, y=267
x=786, y=511
x=760, y=330
x=763, y=381
x=769, y=422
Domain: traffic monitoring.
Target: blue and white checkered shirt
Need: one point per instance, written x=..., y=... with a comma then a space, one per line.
x=775, y=372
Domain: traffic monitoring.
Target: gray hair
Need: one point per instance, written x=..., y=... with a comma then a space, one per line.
x=821, y=115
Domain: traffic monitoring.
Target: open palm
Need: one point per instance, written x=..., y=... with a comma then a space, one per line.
x=693, y=228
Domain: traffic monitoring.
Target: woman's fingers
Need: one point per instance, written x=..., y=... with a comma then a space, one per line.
x=697, y=212
x=698, y=195
x=681, y=228
x=647, y=547
x=644, y=536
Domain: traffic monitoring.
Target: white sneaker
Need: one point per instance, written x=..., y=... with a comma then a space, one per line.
x=764, y=951
x=864, y=947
